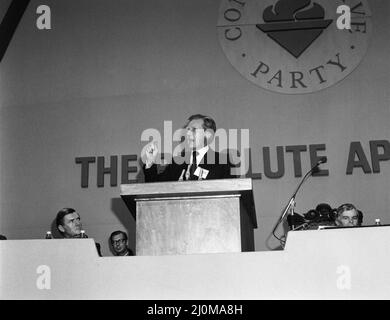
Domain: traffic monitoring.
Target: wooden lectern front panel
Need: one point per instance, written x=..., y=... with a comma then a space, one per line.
x=188, y=225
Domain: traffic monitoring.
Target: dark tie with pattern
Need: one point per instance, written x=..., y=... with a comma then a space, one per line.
x=193, y=166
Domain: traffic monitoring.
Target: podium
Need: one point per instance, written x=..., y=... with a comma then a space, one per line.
x=188, y=217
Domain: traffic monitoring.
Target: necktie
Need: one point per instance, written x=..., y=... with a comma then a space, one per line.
x=193, y=166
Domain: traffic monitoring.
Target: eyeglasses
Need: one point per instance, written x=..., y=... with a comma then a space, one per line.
x=118, y=241
x=193, y=129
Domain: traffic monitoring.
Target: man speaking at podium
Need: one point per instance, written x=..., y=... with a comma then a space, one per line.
x=199, y=162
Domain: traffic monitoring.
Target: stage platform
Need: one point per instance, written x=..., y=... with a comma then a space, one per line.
x=350, y=263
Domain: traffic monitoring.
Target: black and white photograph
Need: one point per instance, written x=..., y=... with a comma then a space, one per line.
x=194, y=154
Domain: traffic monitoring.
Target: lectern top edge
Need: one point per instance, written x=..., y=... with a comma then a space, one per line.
x=187, y=187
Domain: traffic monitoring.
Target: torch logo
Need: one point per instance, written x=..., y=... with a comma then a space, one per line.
x=293, y=25
x=293, y=46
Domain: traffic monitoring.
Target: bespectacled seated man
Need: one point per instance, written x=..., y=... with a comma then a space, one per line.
x=118, y=240
x=69, y=224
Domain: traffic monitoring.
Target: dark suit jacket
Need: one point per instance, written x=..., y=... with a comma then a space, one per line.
x=174, y=170
x=98, y=249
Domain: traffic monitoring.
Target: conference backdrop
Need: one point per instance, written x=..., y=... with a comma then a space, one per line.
x=82, y=82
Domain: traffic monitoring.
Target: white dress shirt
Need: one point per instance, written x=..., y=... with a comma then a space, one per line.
x=201, y=153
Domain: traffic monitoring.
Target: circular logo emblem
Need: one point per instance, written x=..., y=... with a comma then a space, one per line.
x=294, y=46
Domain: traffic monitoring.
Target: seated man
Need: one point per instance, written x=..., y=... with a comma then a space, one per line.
x=348, y=216
x=198, y=161
x=68, y=223
x=118, y=240
x=3, y=237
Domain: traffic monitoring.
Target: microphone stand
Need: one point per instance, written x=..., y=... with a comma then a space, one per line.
x=291, y=203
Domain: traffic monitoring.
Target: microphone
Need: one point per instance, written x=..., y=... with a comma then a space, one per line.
x=315, y=169
x=291, y=204
x=322, y=160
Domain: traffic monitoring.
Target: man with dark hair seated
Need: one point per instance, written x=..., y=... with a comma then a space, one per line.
x=3, y=237
x=348, y=216
x=118, y=240
x=68, y=223
x=197, y=160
